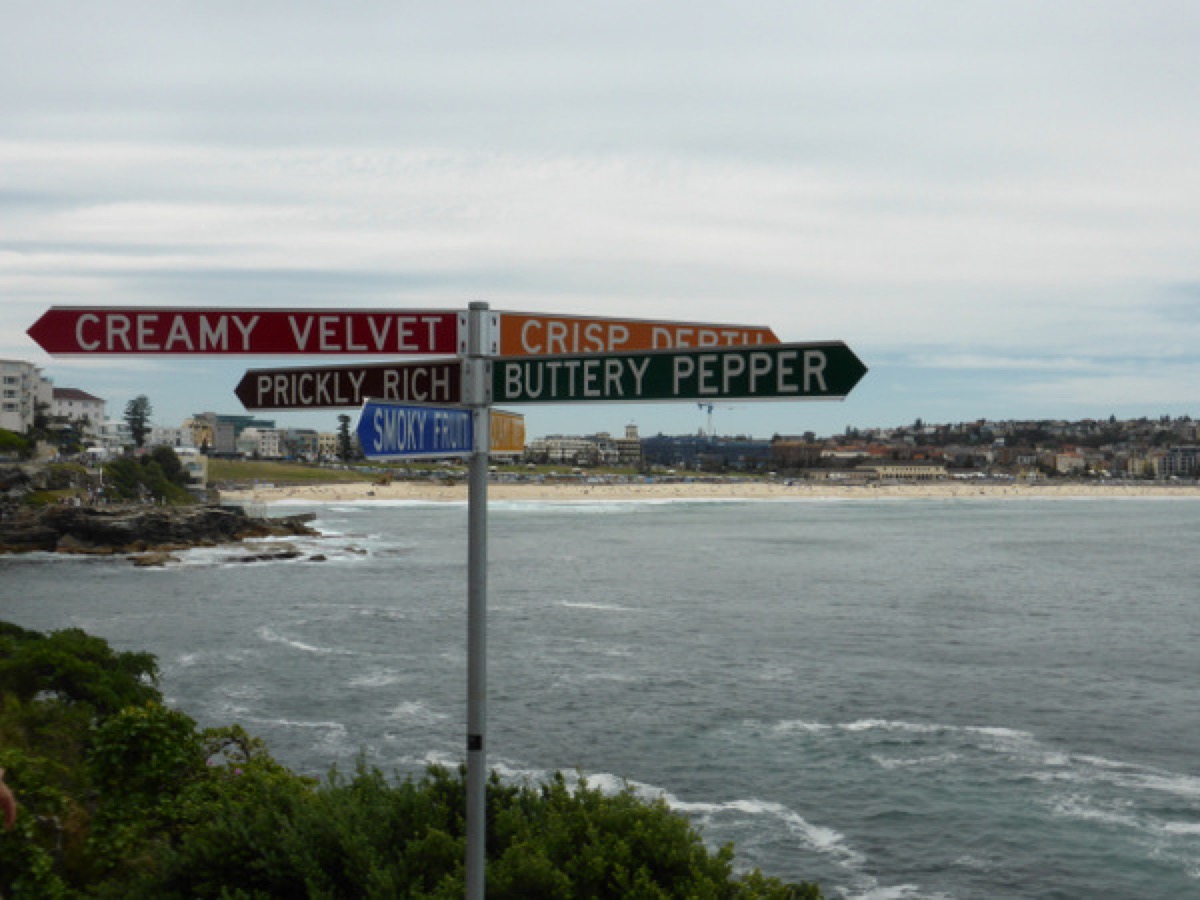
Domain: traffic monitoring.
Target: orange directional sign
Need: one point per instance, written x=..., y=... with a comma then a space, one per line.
x=541, y=334
x=508, y=432
x=147, y=330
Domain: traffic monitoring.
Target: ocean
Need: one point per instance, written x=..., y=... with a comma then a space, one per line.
x=895, y=698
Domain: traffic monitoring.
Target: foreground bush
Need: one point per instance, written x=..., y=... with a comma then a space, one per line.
x=132, y=801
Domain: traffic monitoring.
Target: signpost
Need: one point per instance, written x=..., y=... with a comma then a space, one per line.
x=443, y=408
x=397, y=431
x=540, y=334
x=346, y=387
x=824, y=371
x=149, y=331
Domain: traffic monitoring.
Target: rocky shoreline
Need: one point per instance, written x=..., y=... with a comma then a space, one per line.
x=146, y=534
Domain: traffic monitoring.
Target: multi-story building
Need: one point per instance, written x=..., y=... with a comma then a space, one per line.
x=218, y=433
x=23, y=392
x=168, y=436
x=260, y=443
x=1181, y=462
x=299, y=443
x=112, y=435
x=796, y=452
x=558, y=449
x=328, y=446
x=195, y=464
x=1069, y=463
x=629, y=448
x=78, y=408
x=706, y=452
x=907, y=470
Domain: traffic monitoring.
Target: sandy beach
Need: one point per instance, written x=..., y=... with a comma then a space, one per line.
x=698, y=490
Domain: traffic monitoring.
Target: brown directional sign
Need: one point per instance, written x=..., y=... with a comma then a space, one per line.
x=141, y=331
x=347, y=387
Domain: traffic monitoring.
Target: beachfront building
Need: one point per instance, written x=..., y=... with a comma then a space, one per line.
x=260, y=443
x=77, y=408
x=328, y=446
x=195, y=464
x=24, y=394
x=300, y=443
x=168, y=436
x=907, y=470
x=629, y=448
x=600, y=449
x=561, y=449
x=707, y=452
x=1069, y=463
x=218, y=433
x=111, y=436
x=1181, y=462
x=796, y=452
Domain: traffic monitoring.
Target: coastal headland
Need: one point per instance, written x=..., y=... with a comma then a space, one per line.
x=146, y=534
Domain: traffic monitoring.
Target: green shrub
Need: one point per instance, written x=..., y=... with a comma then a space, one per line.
x=12, y=444
x=122, y=797
x=365, y=837
x=75, y=667
x=131, y=479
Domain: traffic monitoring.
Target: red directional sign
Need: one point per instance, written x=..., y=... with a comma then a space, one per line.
x=142, y=330
x=348, y=387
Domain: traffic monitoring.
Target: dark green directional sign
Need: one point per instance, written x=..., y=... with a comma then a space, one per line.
x=821, y=371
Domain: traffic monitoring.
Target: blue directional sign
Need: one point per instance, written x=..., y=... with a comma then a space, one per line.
x=393, y=430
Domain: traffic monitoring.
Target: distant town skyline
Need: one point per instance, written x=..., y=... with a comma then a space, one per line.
x=613, y=418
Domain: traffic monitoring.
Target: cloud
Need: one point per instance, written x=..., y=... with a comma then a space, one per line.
x=1171, y=387
x=989, y=192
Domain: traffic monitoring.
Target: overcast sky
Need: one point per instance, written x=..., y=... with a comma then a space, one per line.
x=996, y=205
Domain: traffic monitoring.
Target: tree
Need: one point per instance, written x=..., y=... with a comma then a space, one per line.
x=74, y=667
x=41, y=416
x=344, y=448
x=129, y=479
x=137, y=417
x=168, y=460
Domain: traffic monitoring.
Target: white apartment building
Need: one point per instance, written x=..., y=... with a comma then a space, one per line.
x=558, y=449
x=76, y=406
x=262, y=443
x=196, y=466
x=22, y=389
x=167, y=436
x=113, y=435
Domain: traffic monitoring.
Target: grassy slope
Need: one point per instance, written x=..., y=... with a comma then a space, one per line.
x=226, y=471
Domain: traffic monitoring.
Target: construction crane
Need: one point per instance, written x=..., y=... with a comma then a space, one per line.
x=710, y=407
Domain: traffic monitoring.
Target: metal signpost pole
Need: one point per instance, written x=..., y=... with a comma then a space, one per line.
x=478, y=386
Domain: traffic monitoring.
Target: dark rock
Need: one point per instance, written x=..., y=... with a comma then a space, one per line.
x=137, y=529
x=266, y=556
x=148, y=560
